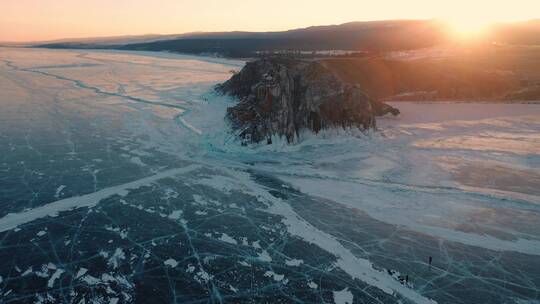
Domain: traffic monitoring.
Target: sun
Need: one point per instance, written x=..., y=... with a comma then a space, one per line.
x=464, y=27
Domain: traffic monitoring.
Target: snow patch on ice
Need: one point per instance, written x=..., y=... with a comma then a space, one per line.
x=264, y=256
x=275, y=276
x=82, y=271
x=116, y=258
x=294, y=262
x=226, y=238
x=56, y=275
x=359, y=268
x=343, y=296
x=171, y=262
x=59, y=190
x=13, y=220
x=176, y=215
x=41, y=233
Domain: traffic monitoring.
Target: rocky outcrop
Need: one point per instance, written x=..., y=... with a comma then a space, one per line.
x=283, y=96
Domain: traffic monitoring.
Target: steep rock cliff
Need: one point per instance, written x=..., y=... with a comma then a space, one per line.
x=282, y=96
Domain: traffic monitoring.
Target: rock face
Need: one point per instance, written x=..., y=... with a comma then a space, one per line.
x=282, y=96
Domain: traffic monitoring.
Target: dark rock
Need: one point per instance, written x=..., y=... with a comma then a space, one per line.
x=283, y=96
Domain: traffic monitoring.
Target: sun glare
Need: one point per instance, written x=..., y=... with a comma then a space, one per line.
x=468, y=27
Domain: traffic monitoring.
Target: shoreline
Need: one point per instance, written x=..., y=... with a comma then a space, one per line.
x=240, y=62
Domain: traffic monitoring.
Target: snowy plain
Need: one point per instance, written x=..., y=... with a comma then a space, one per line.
x=121, y=181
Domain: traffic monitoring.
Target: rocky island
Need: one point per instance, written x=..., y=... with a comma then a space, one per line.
x=283, y=96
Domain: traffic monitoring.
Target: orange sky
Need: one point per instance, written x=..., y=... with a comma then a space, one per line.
x=30, y=20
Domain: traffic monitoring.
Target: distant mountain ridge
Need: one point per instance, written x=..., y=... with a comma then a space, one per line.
x=371, y=36
x=354, y=36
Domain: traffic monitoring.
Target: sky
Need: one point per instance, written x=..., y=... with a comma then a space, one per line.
x=33, y=20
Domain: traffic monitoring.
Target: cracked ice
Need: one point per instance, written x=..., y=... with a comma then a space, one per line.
x=120, y=183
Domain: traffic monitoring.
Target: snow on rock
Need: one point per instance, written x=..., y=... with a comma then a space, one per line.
x=300, y=95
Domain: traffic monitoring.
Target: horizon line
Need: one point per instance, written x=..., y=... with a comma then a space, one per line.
x=157, y=35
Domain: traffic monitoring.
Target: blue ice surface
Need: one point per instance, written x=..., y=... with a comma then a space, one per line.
x=121, y=182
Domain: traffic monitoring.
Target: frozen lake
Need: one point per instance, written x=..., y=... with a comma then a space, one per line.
x=120, y=182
